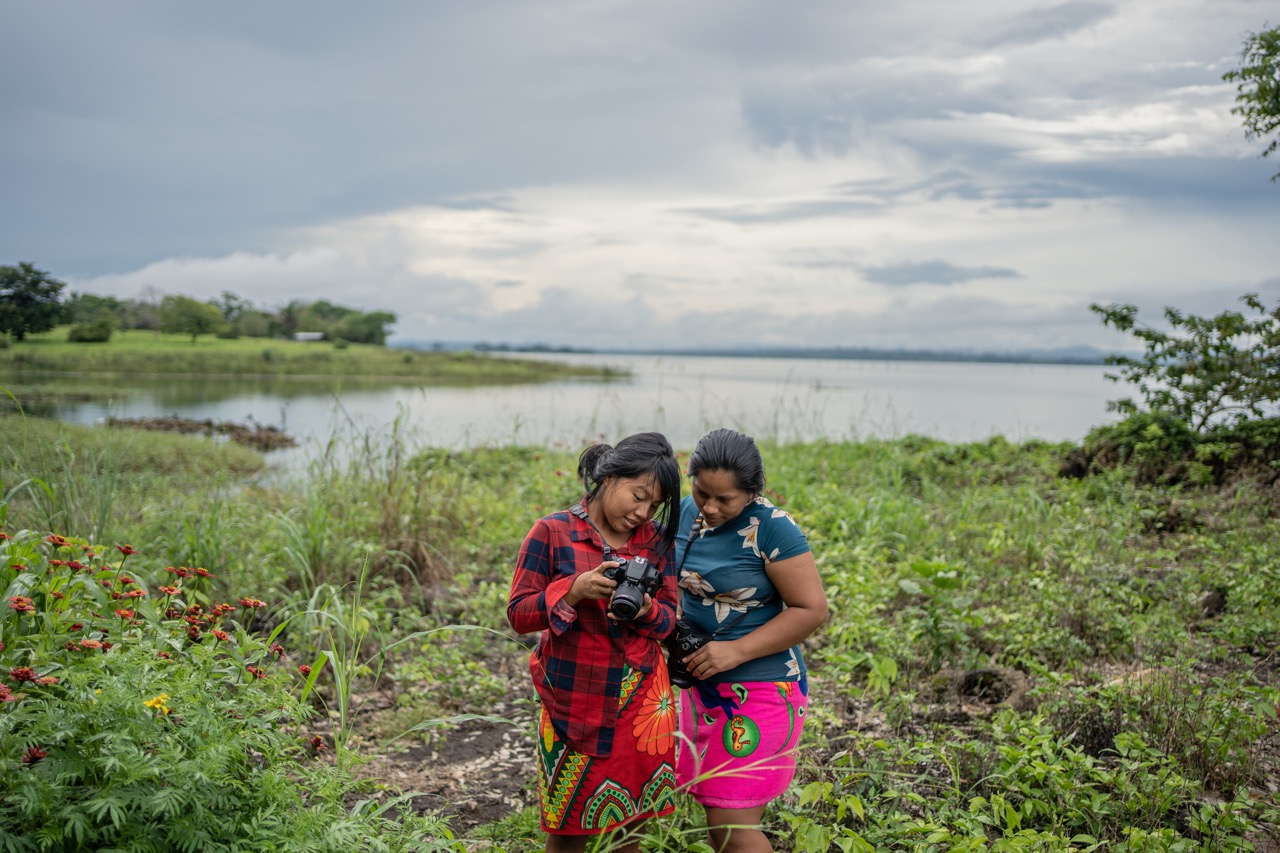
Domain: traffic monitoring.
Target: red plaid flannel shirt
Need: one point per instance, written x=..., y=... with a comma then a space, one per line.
x=578, y=665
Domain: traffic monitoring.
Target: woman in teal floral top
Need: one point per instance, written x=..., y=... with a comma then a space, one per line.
x=748, y=581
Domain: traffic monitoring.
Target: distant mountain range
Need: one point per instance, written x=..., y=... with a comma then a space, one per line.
x=1058, y=355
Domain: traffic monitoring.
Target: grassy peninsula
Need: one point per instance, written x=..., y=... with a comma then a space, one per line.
x=1032, y=646
x=136, y=353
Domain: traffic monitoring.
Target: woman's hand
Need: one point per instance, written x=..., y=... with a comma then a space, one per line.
x=592, y=585
x=715, y=657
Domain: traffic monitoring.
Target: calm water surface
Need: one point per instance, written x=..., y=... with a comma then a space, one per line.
x=784, y=399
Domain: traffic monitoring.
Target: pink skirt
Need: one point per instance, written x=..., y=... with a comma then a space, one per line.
x=737, y=741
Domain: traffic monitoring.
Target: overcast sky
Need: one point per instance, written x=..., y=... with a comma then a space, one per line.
x=919, y=173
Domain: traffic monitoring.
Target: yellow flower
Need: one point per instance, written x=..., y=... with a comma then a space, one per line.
x=158, y=703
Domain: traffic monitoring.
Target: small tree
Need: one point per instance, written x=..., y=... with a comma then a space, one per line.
x=30, y=300
x=1258, y=88
x=183, y=315
x=1204, y=368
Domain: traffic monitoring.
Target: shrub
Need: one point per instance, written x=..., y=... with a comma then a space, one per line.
x=1207, y=369
x=142, y=716
x=96, y=331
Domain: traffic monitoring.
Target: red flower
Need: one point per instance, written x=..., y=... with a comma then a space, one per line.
x=164, y=655
x=221, y=635
x=32, y=755
x=75, y=565
x=4, y=535
x=127, y=550
x=304, y=669
x=6, y=695
x=18, y=567
x=106, y=645
x=76, y=626
x=317, y=743
x=57, y=562
x=124, y=614
x=57, y=595
x=256, y=672
x=126, y=580
x=277, y=650
x=204, y=573
x=22, y=673
x=22, y=604
x=169, y=590
x=180, y=572
x=251, y=603
x=57, y=541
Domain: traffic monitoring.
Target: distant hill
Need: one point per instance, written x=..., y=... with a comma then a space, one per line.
x=1058, y=355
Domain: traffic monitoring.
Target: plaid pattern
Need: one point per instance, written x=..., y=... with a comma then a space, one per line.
x=578, y=665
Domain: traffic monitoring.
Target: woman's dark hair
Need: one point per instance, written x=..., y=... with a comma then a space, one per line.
x=637, y=456
x=730, y=450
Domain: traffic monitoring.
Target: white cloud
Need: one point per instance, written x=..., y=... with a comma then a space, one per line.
x=726, y=172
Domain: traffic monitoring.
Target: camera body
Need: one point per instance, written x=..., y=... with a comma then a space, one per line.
x=684, y=641
x=636, y=578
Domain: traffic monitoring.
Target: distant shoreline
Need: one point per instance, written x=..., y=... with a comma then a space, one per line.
x=1066, y=355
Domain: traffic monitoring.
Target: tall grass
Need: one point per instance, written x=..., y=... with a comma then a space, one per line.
x=939, y=561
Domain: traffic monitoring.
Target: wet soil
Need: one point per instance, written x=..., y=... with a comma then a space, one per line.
x=257, y=436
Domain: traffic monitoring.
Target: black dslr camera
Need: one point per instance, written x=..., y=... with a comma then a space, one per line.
x=684, y=641
x=636, y=578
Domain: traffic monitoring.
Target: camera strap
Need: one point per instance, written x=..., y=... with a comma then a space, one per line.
x=580, y=510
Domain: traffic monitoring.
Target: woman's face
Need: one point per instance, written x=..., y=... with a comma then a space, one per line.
x=718, y=497
x=629, y=502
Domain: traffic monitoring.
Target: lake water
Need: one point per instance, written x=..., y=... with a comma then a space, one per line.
x=784, y=399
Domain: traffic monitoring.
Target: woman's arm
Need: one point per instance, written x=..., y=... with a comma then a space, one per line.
x=535, y=587
x=799, y=585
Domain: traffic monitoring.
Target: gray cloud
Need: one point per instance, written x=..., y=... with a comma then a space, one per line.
x=1055, y=22
x=469, y=164
x=932, y=272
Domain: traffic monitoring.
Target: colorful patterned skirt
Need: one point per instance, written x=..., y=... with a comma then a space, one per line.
x=737, y=741
x=585, y=795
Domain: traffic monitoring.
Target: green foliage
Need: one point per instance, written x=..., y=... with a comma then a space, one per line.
x=137, y=353
x=1206, y=368
x=30, y=300
x=95, y=331
x=132, y=717
x=936, y=557
x=1258, y=88
x=182, y=315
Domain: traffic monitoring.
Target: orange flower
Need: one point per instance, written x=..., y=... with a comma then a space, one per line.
x=124, y=614
x=22, y=604
x=655, y=723
x=256, y=672
x=57, y=541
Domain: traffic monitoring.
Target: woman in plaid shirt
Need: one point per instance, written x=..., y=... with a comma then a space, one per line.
x=606, y=744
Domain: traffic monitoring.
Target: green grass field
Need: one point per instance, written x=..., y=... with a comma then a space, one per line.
x=140, y=353
x=1016, y=659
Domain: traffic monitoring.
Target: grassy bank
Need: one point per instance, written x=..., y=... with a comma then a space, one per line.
x=1015, y=660
x=138, y=353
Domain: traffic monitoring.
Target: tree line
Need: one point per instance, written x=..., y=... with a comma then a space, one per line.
x=32, y=301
